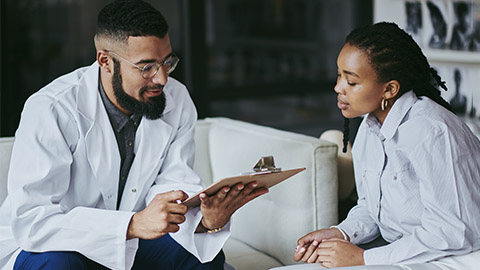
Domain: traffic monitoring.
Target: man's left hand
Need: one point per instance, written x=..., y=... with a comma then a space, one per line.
x=218, y=208
x=339, y=253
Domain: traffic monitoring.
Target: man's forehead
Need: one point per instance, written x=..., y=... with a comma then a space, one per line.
x=147, y=44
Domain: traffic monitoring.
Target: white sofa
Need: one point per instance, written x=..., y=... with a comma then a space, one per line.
x=265, y=231
x=6, y=145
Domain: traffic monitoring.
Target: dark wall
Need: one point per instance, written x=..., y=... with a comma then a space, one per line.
x=43, y=39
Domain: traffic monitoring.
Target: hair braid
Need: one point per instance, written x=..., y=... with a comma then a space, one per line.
x=346, y=133
x=394, y=55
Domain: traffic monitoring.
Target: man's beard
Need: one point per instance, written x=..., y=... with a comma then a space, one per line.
x=152, y=108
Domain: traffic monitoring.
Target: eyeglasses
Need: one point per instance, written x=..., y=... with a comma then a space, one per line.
x=149, y=70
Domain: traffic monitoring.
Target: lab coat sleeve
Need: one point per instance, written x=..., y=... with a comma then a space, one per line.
x=448, y=189
x=43, y=218
x=177, y=173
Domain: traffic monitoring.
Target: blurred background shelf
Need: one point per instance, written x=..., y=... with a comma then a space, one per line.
x=270, y=62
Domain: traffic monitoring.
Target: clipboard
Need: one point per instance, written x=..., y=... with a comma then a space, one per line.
x=265, y=174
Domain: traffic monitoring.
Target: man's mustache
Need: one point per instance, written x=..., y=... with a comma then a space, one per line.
x=154, y=87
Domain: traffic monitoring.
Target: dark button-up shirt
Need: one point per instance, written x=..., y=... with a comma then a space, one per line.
x=124, y=127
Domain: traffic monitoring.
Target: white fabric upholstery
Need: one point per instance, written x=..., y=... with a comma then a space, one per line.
x=246, y=257
x=6, y=145
x=265, y=231
x=346, y=178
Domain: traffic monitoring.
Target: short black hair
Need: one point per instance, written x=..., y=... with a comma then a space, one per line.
x=123, y=18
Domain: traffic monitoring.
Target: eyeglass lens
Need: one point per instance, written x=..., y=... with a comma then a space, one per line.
x=169, y=65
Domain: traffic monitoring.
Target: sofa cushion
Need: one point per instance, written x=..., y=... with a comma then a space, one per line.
x=297, y=206
x=6, y=145
x=202, y=154
x=243, y=256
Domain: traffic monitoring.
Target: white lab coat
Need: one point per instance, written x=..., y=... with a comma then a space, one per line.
x=64, y=172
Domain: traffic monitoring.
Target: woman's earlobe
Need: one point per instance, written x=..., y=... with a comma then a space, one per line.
x=392, y=89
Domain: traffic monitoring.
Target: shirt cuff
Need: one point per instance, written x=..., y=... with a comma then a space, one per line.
x=345, y=237
x=350, y=231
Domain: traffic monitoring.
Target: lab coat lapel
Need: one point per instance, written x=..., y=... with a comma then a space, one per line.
x=151, y=147
x=151, y=142
x=102, y=150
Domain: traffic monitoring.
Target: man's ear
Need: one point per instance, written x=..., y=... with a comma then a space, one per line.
x=392, y=88
x=105, y=61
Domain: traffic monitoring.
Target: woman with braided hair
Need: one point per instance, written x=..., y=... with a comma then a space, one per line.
x=416, y=163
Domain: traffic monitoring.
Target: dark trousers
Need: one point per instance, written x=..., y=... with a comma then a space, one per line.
x=161, y=253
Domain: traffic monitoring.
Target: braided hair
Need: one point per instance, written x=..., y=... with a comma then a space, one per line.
x=394, y=55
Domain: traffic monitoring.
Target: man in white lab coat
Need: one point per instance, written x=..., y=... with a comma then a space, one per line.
x=104, y=155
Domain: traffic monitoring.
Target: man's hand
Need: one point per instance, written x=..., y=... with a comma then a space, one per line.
x=339, y=253
x=307, y=245
x=160, y=217
x=218, y=208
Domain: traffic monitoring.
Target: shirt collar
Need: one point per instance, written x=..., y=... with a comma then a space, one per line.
x=117, y=117
x=394, y=117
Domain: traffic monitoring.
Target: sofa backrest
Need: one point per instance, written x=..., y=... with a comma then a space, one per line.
x=202, y=164
x=273, y=222
x=301, y=204
x=6, y=144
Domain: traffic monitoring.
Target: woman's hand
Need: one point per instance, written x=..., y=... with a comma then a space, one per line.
x=307, y=245
x=338, y=253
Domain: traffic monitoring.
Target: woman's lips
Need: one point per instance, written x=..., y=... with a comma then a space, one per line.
x=342, y=105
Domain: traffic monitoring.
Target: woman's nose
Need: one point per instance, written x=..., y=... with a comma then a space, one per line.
x=337, y=88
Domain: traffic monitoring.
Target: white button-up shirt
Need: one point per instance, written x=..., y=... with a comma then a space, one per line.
x=418, y=183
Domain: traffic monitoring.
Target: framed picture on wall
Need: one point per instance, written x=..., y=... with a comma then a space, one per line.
x=475, y=38
x=448, y=31
x=462, y=25
x=461, y=83
x=413, y=18
x=437, y=24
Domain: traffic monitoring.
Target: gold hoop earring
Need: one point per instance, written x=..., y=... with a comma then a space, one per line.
x=384, y=104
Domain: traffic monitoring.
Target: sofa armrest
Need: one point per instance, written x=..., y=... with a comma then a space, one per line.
x=308, y=201
x=6, y=145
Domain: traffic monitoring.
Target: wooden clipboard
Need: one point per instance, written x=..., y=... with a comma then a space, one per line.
x=264, y=179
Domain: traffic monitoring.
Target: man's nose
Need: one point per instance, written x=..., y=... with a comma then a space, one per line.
x=161, y=77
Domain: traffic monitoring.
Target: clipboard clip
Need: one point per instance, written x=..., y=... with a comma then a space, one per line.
x=265, y=165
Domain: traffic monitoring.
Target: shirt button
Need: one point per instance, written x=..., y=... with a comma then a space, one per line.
x=109, y=196
x=377, y=205
x=395, y=178
x=134, y=190
x=123, y=178
x=130, y=144
x=355, y=235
